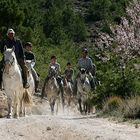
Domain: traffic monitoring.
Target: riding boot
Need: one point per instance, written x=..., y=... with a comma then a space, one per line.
x=75, y=88
x=24, y=73
x=43, y=89
x=25, y=82
x=36, y=86
x=92, y=84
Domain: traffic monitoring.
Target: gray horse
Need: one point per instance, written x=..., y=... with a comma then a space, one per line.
x=83, y=89
x=51, y=90
x=68, y=91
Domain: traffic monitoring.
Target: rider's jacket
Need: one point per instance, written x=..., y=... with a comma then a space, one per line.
x=17, y=44
x=29, y=55
x=85, y=63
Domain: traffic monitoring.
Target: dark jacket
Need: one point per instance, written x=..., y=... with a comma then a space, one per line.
x=18, y=47
x=29, y=55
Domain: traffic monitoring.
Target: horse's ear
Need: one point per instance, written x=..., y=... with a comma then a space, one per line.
x=13, y=49
x=5, y=47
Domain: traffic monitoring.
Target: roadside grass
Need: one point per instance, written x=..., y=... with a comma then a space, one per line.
x=122, y=110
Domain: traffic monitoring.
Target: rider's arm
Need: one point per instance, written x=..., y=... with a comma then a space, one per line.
x=90, y=64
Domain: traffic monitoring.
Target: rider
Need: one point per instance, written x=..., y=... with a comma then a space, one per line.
x=86, y=63
x=58, y=78
x=69, y=73
x=30, y=56
x=11, y=41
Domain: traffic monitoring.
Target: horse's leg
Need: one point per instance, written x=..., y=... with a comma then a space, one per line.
x=51, y=106
x=16, y=114
x=24, y=111
x=21, y=109
x=80, y=106
x=89, y=108
x=16, y=105
x=54, y=103
x=61, y=91
x=9, y=108
x=69, y=103
x=85, y=107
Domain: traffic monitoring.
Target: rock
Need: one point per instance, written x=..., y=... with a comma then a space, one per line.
x=48, y=128
x=136, y=125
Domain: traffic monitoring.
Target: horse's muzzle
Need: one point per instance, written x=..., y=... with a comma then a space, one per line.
x=6, y=69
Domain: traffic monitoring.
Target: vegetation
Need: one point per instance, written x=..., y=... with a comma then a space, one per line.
x=128, y=108
x=52, y=27
x=107, y=11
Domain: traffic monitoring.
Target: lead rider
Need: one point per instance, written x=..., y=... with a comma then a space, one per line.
x=11, y=41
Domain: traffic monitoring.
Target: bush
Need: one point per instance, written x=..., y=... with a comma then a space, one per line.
x=131, y=108
x=128, y=108
x=112, y=104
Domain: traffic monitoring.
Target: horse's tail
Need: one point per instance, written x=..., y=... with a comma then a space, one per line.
x=27, y=98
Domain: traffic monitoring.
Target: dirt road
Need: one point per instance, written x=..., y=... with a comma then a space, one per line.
x=42, y=126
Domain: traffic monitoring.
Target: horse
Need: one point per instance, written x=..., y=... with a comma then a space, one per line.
x=51, y=90
x=17, y=96
x=68, y=91
x=83, y=90
x=30, y=78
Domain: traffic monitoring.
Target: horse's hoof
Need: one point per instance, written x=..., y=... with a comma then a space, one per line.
x=52, y=113
x=21, y=115
x=9, y=116
x=16, y=116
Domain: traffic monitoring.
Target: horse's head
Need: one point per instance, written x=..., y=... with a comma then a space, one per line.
x=64, y=80
x=83, y=75
x=52, y=81
x=52, y=71
x=9, y=58
x=29, y=64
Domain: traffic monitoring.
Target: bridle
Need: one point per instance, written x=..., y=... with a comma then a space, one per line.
x=9, y=61
x=82, y=72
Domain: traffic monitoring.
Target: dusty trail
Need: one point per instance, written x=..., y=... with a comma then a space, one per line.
x=42, y=126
